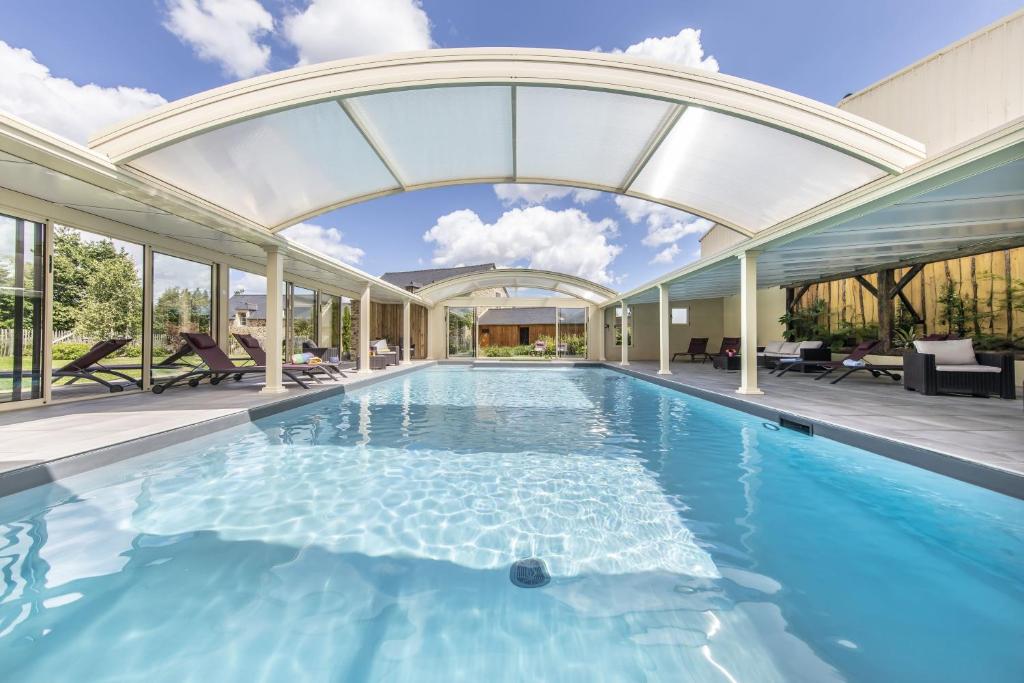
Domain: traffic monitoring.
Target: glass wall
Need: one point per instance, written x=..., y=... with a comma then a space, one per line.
x=303, y=318
x=182, y=302
x=618, y=325
x=329, y=327
x=247, y=308
x=21, y=309
x=461, y=332
x=572, y=333
x=97, y=298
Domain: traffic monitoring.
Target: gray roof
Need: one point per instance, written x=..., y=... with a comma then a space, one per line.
x=417, y=279
x=256, y=305
x=532, y=315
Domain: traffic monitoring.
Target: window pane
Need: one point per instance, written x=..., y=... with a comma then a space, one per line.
x=461, y=332
x=97, y=297
x=21, y=309
x=572, y=332
x=247, y=308
x=303, y=319
x=181, y=303
x=680, y=316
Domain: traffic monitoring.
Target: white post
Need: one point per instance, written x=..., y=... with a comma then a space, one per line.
x=599, y=321
x=406, y=331
x=664, y=318
x=748, y=324
x=223, y=325
x=272, y=347
x=625, y=334
x=147, y=318
x=48, y=274
x=364, y=330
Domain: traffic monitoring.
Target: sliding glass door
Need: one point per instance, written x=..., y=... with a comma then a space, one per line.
x=461, y=332
x=182, y=302
x=21, y=309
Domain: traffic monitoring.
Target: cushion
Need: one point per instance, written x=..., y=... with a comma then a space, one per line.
x=773, y=346
x=790, y=348
x=203, y=341
x=249, y=342
x=380, y=346
x=950, y=352
x=811, y=344
x=967, y=368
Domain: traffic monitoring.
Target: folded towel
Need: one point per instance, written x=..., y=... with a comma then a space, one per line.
x=850, y=363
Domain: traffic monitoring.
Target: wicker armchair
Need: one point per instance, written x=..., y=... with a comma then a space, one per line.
x=993, y=373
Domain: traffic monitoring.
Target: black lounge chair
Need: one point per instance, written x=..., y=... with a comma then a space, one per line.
x=88, y=366
x=728, y=344
x=216, y=365
x=938, y=373
x=698, y=347
x=251, y=345
x=858, y=354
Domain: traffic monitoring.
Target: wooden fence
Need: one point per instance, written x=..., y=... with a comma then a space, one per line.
x=982, y=282
x=7, y=339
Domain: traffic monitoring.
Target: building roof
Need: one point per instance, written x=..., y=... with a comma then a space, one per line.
x=256, y=305
x=532, y=315
x=421, y=278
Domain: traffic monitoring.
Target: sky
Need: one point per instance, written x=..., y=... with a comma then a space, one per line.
x=76, y=67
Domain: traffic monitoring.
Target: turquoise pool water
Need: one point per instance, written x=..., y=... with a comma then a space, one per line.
x=370, y=538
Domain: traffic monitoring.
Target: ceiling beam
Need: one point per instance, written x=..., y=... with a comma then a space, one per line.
x=515, y=133
x=372, y=142
x=660, y=133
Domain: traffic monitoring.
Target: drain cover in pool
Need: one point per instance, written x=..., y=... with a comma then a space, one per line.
x=529, y=573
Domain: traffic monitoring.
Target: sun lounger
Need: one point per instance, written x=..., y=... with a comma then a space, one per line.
x=251, y=345
x=728, y=344
x=88, y=366
x=698, y=347
x=216, y=365
x=852, y=363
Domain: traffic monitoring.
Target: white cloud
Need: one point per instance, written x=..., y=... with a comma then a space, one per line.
x=665, y=225
x=334, y=29
x=666, y=255
x=327, y=241
x=533, y=194
x=29, y=90
x=567, y=241
x=684, y=49
x=229, y=32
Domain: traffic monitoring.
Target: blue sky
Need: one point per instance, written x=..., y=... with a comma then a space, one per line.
x=135, y=53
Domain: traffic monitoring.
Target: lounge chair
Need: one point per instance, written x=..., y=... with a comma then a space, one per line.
x=88, y=366
x=216, y=365
x=953, y=367
x=698, y=347
x=728, y=344
x=382, y=350
x=562, y=350
x=856, y=358
x=777, y=355
x=539, y=348
x=251, y=345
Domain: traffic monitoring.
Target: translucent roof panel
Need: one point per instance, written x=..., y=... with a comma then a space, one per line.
x=277, y=167
x=746, y=173
x=582, y=135
x=434, y=134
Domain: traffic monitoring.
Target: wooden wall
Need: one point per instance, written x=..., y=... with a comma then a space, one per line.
x=508, y=335
x=981, y=280
x=386, y=323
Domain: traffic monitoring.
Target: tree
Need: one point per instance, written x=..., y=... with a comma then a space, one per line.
x=112, y=305
x=346, y=329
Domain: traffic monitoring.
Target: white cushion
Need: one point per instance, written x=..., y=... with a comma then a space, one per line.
x=967, y=368
x=773, y=346
x=380, y=346
x=790, y=348
x=951, y=352
x=811, y=344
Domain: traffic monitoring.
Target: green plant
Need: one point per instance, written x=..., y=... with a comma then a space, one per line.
x=953, y=308
x=69, y=350
x=346, y=330
x=904, y=337
x=805, y=323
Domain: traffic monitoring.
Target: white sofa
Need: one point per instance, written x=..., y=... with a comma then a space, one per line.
x=775, y=350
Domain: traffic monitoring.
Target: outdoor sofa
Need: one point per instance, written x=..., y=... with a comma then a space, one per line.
x=776, y=351
x=954, y=367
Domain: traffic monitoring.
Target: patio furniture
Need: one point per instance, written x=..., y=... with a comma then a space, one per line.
x=698, y=347
x=378, y=362
x=954, y=367
x=539, y=348
x=728, y=344
x=216, y=365
x=854, y=362
x=727, y=362
x=88, y=366
x=251, y=345
x=775, y=352
x=561, y=349
x=381, y=349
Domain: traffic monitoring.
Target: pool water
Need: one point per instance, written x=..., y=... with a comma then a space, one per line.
x=370, y=537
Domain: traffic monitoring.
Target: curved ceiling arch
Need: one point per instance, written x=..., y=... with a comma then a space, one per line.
x=285, y=147
x=531, y=278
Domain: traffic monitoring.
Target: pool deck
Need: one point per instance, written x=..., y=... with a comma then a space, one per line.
x=41, y=444
x=974, y=439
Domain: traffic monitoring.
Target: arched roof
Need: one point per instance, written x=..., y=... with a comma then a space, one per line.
x=285, y=147
x=530, y=278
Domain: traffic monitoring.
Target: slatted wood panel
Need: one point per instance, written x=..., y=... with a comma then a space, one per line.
x=981, y=280
x=508, y=335
x=386, y=323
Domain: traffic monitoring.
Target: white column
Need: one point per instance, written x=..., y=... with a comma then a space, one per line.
x=748, y=324
x=222, y=316
x=147, y=317
x=364, y=330
x=625, y=334
x=406, y=331
x=599, y=319
x=664, y=318
x=274, y=339
x=48, y=274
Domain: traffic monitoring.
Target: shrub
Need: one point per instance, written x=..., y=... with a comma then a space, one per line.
x=72, y=350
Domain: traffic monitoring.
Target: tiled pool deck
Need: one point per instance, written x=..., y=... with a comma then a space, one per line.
x=977, y=440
